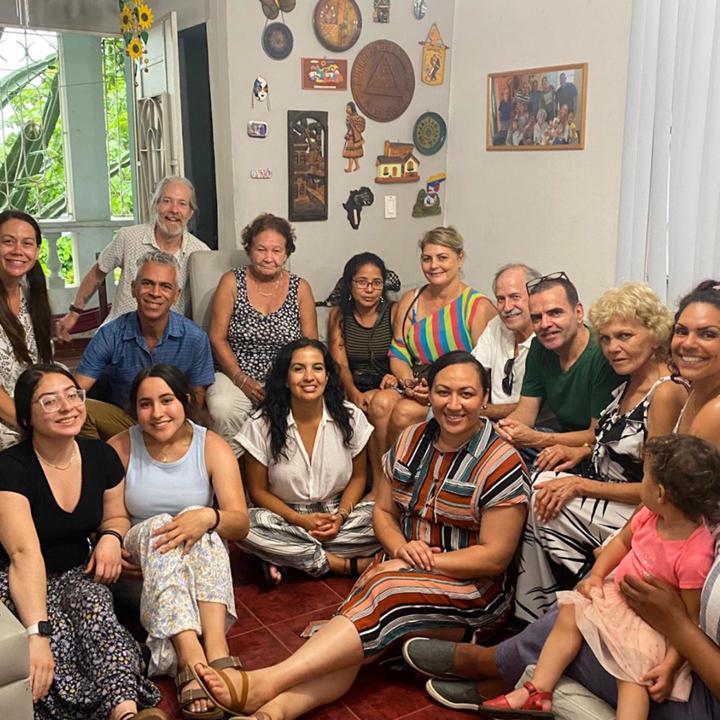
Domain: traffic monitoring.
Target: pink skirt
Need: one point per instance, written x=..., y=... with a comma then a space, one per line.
x=624, y=644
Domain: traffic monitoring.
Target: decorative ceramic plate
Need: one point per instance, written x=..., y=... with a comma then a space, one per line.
x=337, y=24
x=277, y=41
x=429, y=133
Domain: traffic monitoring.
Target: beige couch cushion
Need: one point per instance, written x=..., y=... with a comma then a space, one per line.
x=15, y=694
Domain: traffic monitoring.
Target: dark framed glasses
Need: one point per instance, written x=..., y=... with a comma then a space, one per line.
x=508, y=376
x=560, y=275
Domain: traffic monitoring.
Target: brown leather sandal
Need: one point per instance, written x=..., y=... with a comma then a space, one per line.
x=187, y=696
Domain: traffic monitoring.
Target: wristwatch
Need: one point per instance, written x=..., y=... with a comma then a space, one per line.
x=75, y=309
x=43, y=628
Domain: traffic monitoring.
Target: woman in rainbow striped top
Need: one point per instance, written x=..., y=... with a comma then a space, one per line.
x=443, y=315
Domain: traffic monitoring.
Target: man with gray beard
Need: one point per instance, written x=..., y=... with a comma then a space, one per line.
x=503, y=346
x=173, y=204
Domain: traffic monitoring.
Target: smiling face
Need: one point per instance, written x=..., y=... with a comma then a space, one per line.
x=627, y=344
x=155, y=289
x=307, y=375
x=441, y=265
x=173, y=210
x=367, y=286
x=18, y=248
x=512, y=301
x=268, y=254
x=456, y=397
x=160, y=414
x=695, y=345
x=555, y=321
x=65, y=421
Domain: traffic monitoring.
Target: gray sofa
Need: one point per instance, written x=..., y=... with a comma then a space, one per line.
x=15, y=693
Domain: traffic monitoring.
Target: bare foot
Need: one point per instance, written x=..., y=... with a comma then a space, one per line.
x=220, y=692
x=275, y=574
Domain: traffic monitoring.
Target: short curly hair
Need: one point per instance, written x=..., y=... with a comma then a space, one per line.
x=689, y=470
x=268, y=221
x=633, y=300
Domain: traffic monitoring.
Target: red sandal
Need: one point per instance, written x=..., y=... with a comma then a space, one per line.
x=499, y=707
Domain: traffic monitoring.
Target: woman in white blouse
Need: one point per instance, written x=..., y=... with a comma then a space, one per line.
x=306, y=469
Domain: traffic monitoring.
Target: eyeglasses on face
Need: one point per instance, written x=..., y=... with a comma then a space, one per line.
x=560, y=275
x=508, y=377
x=362, y=283
x=52, y=402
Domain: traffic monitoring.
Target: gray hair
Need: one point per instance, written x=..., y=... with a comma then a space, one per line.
x=160, y=189
x=530, y=273
x=160, y=258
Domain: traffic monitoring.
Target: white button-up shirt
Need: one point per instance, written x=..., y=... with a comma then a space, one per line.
x=298, y=478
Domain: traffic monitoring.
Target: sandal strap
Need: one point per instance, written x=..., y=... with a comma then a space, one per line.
x=184, y=676
x=234, y=702
x=223, y=663
x=537, y=697
x=189, y=695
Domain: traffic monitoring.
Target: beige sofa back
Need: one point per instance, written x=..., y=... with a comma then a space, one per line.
x=15, y=693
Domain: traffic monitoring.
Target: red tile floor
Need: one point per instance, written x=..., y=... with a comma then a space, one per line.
x=268, y=630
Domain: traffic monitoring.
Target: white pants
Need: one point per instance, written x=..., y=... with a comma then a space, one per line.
x=229, y=407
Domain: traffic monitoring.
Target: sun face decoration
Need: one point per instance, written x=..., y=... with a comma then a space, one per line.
x=136, y=18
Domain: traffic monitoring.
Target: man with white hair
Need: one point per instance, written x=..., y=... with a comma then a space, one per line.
x=173, y=204
x=503, y=346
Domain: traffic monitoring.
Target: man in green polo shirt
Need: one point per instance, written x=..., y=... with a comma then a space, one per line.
x=564, y=367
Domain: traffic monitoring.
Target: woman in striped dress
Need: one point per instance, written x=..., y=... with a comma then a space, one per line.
x=449, y=517
x=443, y=315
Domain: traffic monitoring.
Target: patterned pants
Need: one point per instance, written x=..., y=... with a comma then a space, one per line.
x=276, y=541
x=97, y=662
x=567, y=540
x=173, y=584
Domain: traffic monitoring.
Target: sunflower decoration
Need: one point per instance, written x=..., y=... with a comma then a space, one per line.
x=136, y=18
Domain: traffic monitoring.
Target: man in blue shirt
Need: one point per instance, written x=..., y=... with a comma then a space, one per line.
x=152, y=334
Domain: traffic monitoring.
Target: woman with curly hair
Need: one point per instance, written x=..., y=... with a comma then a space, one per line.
x=574, y=513
x=256, y=310
x=306, y=469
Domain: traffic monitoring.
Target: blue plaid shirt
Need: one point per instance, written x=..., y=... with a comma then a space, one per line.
x=120, y=348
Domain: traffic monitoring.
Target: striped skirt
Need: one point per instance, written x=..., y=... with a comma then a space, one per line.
x=387, y=607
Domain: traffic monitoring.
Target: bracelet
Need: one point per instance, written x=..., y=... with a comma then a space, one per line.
x=114, y=533
x=343, y=513
x=234, y=380
x=74, y=308
x=217, y=520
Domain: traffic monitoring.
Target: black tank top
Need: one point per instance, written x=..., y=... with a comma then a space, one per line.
x=367, y=348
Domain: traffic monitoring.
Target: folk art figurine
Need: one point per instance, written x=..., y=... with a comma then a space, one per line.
x=428, y=200
x=397, y=164
x=353, y=149
x=357, y=200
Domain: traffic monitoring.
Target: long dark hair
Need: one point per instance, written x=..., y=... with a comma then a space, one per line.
x=347, y=304
x=38, y=303
x=25, y=389
x=276, y=404
x=176, y=380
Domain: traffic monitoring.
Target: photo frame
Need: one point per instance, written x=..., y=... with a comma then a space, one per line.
x=307, y=138
x=556, y=94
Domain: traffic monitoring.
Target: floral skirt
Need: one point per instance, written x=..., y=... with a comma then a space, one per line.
x=97, y=662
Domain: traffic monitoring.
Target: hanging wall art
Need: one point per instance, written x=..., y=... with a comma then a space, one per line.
x=357, y=200
x=397, y=164
x=324, y=74
x=307, y=165
x=428, y=200
x=433, y=57
x=337, y=24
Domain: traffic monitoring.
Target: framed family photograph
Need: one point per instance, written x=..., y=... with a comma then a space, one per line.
x=537, y=109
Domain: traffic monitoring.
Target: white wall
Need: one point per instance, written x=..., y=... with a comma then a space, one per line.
x=553, y=210
x=236, y=58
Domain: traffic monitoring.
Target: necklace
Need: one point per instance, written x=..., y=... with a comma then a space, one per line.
x=276, y=285
x=45, y=461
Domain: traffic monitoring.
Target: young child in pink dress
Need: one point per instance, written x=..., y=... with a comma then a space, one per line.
x=667, y=538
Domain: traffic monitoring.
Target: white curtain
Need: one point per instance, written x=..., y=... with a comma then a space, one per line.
x=669, y=224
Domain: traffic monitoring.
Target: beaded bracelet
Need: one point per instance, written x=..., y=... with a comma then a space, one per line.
x=217, y=520
x=114, y=533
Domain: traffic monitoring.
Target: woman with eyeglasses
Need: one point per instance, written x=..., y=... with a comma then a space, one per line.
x=25, y=319
x=443, y=315
x=574, y=513
x=360, y=329
x=56, y=491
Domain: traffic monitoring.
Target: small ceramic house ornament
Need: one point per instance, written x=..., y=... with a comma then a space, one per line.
x=433, y=57
x=397, y=164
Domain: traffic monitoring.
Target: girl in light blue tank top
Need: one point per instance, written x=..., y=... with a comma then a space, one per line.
x=153, y=487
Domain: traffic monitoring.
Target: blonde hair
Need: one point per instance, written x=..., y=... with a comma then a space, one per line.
x=448, y=237
x=633, y=301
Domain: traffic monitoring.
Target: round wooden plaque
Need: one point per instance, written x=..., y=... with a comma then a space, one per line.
x=382, y=80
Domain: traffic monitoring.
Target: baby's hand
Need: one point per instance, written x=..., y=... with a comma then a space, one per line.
x=586, y=586
x=661, y=677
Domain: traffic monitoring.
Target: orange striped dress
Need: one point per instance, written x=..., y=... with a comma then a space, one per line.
x=441, y=496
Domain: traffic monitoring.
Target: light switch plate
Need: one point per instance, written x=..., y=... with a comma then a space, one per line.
x=390, y=207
